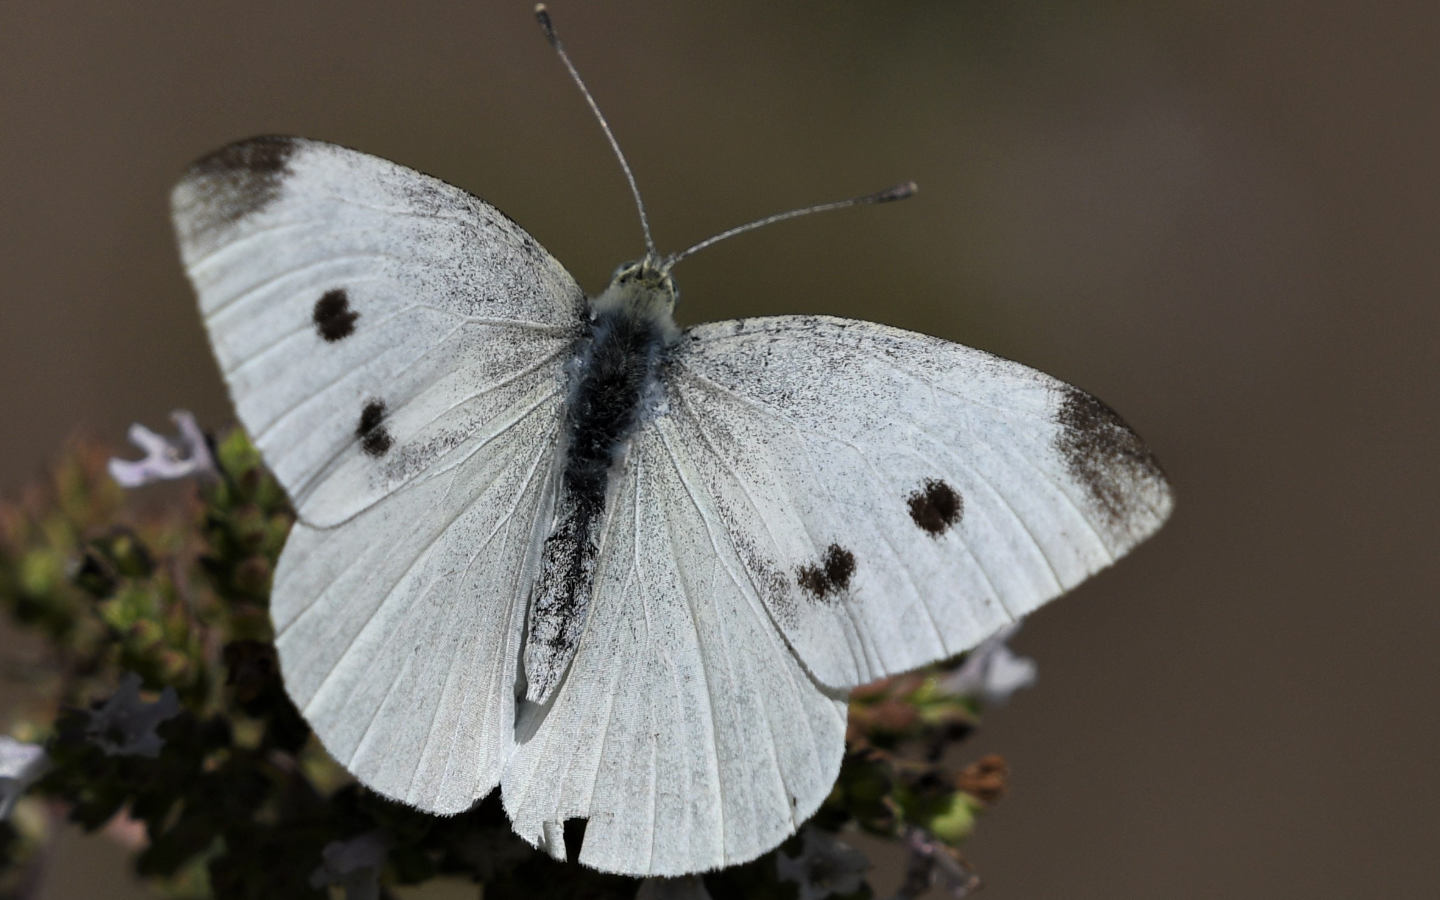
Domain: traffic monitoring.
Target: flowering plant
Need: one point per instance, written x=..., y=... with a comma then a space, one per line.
x=156, y=712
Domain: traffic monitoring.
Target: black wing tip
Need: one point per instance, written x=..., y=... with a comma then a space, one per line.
x=266, y=153
x=222, y=188
x=1108, y=457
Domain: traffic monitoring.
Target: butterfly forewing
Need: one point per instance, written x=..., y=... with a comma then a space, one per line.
x=895, y=498
x=369, y=320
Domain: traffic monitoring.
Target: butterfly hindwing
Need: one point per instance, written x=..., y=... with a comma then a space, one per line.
x=896, y=498
x=369, y=320
x=399, y=631
x=686, y=733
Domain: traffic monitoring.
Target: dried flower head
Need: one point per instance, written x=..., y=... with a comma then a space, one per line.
x=825, y=867
x=353, y=865
x=125, y=725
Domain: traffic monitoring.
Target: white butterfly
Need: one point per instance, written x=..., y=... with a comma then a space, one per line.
x=624, y=570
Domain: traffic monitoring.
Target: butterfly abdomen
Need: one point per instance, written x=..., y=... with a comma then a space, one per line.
x=614, y=368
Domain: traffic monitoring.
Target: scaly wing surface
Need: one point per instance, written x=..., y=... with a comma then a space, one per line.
x=369, y=320
x=685, y=733
x=895, y=498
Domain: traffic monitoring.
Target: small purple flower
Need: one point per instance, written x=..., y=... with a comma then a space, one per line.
x=825, y=866
x=21, y=765
x=125, y=725
x=991, y=672
x=165, y=459
x=688, y=887
x=354, y=865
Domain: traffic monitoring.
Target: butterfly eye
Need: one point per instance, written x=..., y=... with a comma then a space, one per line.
x=626, y=272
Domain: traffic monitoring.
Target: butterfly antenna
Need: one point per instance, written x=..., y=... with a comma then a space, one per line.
x=542, y=15
x=898, y=192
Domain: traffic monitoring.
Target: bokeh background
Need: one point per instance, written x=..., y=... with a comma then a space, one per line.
x=1218, y=215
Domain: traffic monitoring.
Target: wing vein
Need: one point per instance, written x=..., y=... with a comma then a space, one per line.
x=764, y=618
x=503, y=522
x=765, y=410
x=713, y=755
x=422, y=551
x=246, y=295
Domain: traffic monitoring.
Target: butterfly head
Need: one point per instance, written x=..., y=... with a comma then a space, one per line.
x=642, y=289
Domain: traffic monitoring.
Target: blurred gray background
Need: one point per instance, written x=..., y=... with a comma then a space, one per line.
x=1218, y=216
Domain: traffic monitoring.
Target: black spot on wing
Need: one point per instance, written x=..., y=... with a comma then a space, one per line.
x=334, y=318
x=839, y=566
x=1105, y=456
x=935, y=507
x=233, y=183
x=374, y=437
x=830, y=576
